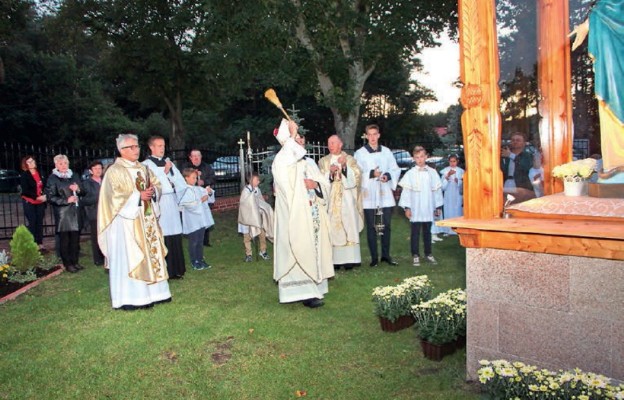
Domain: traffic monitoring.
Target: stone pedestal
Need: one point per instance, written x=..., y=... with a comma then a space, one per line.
x=552, y=311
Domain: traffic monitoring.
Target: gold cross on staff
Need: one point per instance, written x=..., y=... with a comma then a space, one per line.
x=241, y=142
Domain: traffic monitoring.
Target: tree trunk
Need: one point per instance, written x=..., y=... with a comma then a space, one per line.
x=176, y=139
x=346, y=126
x=345, y=121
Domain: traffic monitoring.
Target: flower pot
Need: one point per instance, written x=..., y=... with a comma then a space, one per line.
x=436, y=352
x=574, y=187
x=404, y=321
x=460, y=342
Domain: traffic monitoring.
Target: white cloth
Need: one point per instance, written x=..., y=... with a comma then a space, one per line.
x=422, y=193
x=196, y=214
x=254, y=214
x=169, y=219
x=538, y=183
x=125, y=290
x=302, y=262
x=453, y=195
x=375, y=193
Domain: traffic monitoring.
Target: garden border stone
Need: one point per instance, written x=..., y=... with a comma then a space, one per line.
x=12, y=296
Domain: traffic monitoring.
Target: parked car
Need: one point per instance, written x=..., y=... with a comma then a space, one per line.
x=437, y=162
x=9, y=181
x=404, y=159
x=226, y=168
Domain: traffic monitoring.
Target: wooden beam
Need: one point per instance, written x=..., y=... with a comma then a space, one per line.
x=586, y=238
x=480, y=97
x=554, y=83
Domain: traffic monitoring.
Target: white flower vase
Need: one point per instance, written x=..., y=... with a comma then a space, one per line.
x=574, y=186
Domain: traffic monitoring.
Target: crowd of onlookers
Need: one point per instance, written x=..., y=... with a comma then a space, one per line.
x=74, y=203
x=74, y=200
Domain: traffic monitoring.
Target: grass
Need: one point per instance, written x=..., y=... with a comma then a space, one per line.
x=225, y=336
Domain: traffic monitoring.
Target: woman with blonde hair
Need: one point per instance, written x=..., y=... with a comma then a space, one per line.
x=63, y=191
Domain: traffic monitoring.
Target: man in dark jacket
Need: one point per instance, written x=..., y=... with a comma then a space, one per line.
x=516, y=162
x=206, y=177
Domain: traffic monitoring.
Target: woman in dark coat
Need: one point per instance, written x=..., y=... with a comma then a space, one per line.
x=90, y=204
x=33, y=197
x=63, y=190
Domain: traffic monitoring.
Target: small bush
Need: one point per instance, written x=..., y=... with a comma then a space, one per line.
x=23, y=277
x=48, y=262
x=24, y=251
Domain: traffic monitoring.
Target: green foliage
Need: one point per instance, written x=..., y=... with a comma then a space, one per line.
x=49, y=96
x=24, y=251
x=23, y=277
x=48, y=262
x=442, y=319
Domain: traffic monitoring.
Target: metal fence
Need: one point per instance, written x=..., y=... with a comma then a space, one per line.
x=230, y=166
x=11, y=209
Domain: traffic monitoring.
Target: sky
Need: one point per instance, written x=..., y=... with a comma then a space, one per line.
x=441, y=69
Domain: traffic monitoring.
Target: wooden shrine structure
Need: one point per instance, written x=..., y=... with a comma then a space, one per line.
x=546, y=289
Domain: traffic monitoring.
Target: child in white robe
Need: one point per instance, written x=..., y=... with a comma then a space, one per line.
x=421, y=198
x=255, y=217
x=196, y=216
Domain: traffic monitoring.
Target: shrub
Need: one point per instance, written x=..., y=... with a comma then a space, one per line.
x=24, y=251
x=48, y=262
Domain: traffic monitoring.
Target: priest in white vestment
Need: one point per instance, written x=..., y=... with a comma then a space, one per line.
x=345, y=206
x=128, y=231
x=303, y=254
x=452, y=187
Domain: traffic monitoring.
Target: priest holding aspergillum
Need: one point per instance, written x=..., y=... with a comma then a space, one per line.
x=303, y=253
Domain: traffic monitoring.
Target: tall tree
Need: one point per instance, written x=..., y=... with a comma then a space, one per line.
x=14, y=14
x=347, y=39
x=158, y=51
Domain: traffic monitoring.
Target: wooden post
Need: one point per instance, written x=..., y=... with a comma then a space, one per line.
x=480, y=97
x=554, y=83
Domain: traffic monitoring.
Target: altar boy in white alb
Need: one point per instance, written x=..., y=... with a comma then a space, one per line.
x=303, y=253
x=196, y=215
x=380, y=175
x=171, y=180
x=421, y=199
x=453, y=187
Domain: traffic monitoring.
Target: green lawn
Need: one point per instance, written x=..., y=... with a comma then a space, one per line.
x=225, y=336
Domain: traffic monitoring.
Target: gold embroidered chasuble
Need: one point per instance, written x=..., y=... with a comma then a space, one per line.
x=147, y=253
x=345, y=205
